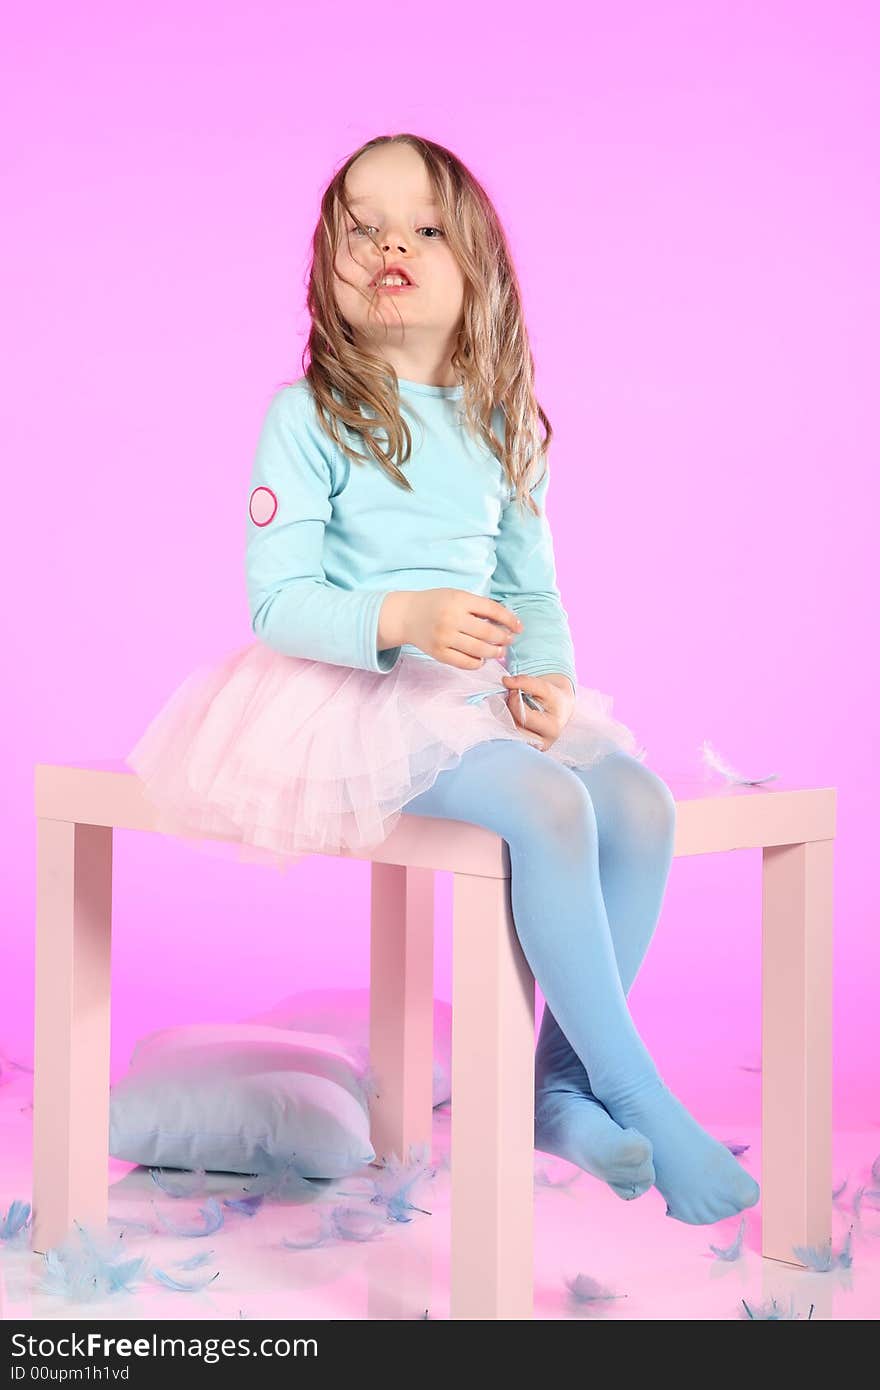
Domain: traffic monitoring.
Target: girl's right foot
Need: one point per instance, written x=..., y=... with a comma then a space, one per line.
x=700, y=1178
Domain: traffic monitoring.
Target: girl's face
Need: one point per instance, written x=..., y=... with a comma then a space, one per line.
x=391, y=194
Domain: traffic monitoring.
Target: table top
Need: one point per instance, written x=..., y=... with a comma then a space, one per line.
x=687, y=784
x=711, y=815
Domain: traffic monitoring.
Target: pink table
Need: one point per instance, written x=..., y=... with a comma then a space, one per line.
x=78, y=806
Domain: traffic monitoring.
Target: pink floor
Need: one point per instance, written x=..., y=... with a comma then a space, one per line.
x=655, y=1267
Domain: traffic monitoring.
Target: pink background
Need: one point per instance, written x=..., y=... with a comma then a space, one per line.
x=691, y=194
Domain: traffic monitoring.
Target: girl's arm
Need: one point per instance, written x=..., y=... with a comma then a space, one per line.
x=525, y=580
x=294, y=608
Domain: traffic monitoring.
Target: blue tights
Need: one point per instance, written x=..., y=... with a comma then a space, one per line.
x=590, y=854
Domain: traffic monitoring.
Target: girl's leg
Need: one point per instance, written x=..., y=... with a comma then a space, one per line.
x=596, y=1142
x=546, y=815
x=635, y=818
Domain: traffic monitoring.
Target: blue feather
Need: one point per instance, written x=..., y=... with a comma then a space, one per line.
x=249, y=1206
x=715, y=760
x=875, y=1169
x=391, y=1189
x=817, y=1257
x=862, y=1194
x=16, y=1219
x=87, y=1271
x=839, y=1191
x=349, y=1224
x=8, y=1065
x=544, y=1179
x=119, y=1276
x=194, y=1261
x=584, y=1289
x=129, y=1224
x=821, y=1258
x=190, y=1186
x=343, y=1222
x=731, y=1252
x=369, y=1085
x=162, y=1278
x=481, y=695
x=283, y=1176
x=213, y=1218
x=116, y=1275
x=324, y=1234
x=773, y=1311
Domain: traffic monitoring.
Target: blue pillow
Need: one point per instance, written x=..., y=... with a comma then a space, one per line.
x=242, y=1098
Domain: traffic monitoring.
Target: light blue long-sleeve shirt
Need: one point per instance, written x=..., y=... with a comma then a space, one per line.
x=328, y=539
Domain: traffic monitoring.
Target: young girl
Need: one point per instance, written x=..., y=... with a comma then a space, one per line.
x=398, y=551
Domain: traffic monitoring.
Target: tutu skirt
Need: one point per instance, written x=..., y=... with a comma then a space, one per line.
x=286, y=756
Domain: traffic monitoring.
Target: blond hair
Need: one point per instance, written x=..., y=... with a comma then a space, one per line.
x=491, y=359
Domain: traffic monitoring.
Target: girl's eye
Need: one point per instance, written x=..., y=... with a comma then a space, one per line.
x=421, y=229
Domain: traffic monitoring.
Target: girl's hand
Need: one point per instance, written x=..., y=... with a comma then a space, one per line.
x=557, y=700
x=453, y=625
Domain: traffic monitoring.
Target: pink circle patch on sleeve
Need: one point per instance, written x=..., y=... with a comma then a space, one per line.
x=262, y=506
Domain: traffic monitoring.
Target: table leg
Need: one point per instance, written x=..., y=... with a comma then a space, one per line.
x=71, y=1119
x=797, y=1047
x=402, y=1008
x=493, y=1107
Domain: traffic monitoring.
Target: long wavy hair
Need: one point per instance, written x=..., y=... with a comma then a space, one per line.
x=491, y=359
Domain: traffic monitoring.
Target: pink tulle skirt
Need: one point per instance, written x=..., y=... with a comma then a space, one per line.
x=286, y=756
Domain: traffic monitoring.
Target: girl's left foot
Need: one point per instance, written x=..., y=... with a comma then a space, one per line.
x=572, y=1126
